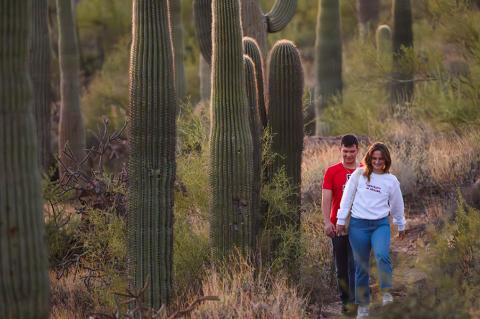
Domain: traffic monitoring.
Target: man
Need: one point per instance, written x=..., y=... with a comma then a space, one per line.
x=334, y=181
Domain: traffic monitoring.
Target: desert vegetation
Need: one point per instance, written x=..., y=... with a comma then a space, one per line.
x=153, y=197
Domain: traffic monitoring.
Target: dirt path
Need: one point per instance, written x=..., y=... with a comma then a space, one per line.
x=404, y=255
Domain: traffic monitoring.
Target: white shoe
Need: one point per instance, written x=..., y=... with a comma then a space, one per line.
x=387, y=298
x=362, y=311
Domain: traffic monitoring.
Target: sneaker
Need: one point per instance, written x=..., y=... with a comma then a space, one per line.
x=362, y=311
x=387, y=298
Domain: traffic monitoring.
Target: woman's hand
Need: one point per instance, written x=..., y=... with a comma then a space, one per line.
x=340, y=230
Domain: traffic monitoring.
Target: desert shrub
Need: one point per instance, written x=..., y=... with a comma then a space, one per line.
x=451, y=263
x=246, y=292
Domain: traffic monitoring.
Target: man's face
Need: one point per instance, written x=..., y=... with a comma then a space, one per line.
x=349, y=154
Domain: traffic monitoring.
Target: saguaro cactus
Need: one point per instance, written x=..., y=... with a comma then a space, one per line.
x=402, y=42
x=205, y=80
x=367, y=12
x=177, y=34
x=256, y=131
x=255, y=23
x=328, y=57
x=23, y=266
x=71, y=129
x=40, y=72
x=253, y=51
x=383, y=40
x=285, y=115
x=231, y=167
x=151, y=167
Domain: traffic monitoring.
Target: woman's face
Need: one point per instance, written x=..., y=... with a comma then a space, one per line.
x=378, y=162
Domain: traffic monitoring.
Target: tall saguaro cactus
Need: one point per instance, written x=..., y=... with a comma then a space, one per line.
x=368, y=12
x=151, y=138
x=40, y=72
x=256, y=132
x=383, y=40
x=23, y=260
x=285, y=114
x=255, y=23
x=402, y=41
x=328, y=57
x=177, y=34
x=253, y=51
x=231, y=167
x=71, y=129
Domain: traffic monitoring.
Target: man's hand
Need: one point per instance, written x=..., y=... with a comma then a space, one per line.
x=401, y=234
x=341, y=230
x=329, y=229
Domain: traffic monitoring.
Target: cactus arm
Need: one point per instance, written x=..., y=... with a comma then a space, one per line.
x=151, y=138
x=256, y=132
x=280, y=15
x=383, y=40
x=252, y=49
x=177, y=34
x=202, y=18
x=23, y=261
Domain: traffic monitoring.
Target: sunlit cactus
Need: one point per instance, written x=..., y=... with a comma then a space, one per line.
x=231, y=158
x=23, y=260
x=285, y=116
x=253, y=51
x=151, y=138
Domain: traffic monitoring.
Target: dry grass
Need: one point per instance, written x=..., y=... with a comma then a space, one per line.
x=245, y=293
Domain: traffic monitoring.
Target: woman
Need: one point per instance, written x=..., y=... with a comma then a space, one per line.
x=371, y=194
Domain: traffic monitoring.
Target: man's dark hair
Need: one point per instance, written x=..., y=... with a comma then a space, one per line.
x=349, y=140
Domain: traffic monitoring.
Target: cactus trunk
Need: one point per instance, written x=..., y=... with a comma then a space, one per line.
x=231, y=167
x=256, y=132
x=71, y=129
x=23, y=266
x=204, y=75
x=402, y=43
x=383, y=40
x=285, y=117
x=177, y=34
x=40, y=72
x=254, y=24
x=328, y=58
x=151, y=139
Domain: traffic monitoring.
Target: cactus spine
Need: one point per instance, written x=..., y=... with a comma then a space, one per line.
x=255, y=23
x=328, y=57
x=256, y=132
x=23, y=266
x=177, y=34
x=231, y=167
x=285, y=116
x=253, y=51
x=71, y=130
x=402, y=40
x=151, y=140
x=367, y=12
x=40, y=73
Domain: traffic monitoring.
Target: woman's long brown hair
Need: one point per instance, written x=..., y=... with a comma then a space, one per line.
x=367, y=160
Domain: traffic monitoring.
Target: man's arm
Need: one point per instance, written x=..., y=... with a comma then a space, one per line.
x=326, y=207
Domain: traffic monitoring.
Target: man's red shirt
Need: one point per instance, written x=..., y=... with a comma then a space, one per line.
x=335, y=178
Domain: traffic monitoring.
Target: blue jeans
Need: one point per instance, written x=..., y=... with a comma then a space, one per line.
x=364, y=235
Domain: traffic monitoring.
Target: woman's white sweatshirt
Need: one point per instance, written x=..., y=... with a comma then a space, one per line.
x=372, y=200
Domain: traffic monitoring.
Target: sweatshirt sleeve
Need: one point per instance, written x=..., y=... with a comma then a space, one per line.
x=348, y=196
x=396, y=206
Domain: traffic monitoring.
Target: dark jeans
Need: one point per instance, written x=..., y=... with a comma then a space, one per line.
x=342, y=253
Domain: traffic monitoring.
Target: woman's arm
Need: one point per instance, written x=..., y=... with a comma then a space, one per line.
x=348, y=196
x=397, y=206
